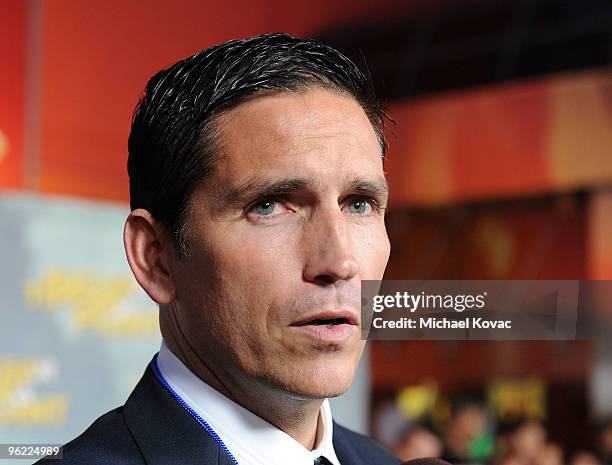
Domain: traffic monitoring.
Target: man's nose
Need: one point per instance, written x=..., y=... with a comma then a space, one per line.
x=330, y=254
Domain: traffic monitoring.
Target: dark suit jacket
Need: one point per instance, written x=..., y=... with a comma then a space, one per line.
x=152, y=428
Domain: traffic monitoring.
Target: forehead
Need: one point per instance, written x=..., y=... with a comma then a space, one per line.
x=316, y=131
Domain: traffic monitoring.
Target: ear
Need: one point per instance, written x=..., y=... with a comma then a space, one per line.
x=149, y=252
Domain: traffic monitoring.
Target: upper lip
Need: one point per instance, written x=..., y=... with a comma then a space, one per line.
x=351, y=317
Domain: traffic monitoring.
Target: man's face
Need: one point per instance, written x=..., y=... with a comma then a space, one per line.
x=281, y=233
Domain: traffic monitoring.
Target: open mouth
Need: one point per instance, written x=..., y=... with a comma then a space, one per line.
x=328, y=327
x=329, y=323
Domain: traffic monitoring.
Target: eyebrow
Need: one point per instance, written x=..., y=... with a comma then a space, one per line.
x=258, y=188
x=378, y=187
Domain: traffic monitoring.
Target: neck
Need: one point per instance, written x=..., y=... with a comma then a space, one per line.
x=295, y=416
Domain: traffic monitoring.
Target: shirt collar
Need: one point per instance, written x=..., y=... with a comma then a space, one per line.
x=252, y=440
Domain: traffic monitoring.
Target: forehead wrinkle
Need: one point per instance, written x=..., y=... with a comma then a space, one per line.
x=289, y=125
x=341, y=127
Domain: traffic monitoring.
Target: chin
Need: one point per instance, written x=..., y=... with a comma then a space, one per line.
x=320, y=381
x=312, y=392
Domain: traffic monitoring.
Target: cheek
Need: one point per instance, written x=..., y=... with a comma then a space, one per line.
x=259, y=261
x=254, y=268
x=373, y=251
x=255, y=245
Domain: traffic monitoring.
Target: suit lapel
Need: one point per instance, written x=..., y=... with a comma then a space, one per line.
x=344, y=449
x=164, y=431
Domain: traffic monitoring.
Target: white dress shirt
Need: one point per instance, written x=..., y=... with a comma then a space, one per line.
x=249, y=438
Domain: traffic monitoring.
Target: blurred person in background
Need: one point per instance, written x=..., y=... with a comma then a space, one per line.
x=508, y=459
x=549, y=454
x=467, y=438
x=418, y=442
x=584, y=457
x=527, y=442
x=604, y=443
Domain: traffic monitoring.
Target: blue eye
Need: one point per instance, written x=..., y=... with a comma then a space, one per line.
x=264, y=208
x=359, y=206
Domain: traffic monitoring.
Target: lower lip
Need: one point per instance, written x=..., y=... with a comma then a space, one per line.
x=323, y=333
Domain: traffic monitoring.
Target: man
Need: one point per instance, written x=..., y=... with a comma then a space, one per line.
x=258, y=198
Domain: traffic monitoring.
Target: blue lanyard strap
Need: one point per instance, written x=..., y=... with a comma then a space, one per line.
x=191, y=411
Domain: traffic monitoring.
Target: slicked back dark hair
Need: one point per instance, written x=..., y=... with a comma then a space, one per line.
x=173, y=138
